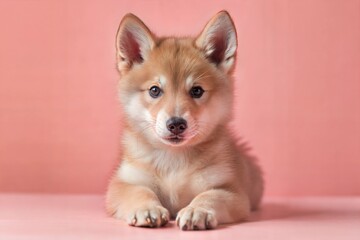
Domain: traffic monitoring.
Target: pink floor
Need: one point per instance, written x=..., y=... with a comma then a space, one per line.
x=82, y=217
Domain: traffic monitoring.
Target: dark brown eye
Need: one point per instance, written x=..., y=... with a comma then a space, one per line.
x=155, y=91
x=196, y=92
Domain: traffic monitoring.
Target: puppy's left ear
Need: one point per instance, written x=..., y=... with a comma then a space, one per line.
x=219, y=42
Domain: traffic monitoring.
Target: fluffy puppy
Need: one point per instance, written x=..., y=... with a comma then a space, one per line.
x=179, y=158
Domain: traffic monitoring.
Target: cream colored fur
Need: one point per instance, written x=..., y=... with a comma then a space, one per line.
x=204, y=180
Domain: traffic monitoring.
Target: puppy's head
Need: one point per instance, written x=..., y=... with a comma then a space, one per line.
x=176, y=91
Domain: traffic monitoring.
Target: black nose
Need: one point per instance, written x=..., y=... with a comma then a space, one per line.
x=176, y=125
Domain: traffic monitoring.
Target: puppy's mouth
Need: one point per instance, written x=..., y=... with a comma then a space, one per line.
x=175, y=139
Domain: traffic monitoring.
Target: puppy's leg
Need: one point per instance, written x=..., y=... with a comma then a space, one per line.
x=137, y=205
x=213, y=207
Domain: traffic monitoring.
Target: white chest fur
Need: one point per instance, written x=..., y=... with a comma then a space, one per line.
x=176, y=177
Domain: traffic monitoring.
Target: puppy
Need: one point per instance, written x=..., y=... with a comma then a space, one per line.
x=179, y=158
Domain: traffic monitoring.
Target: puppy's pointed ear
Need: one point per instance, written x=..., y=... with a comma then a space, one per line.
x=134, y=41
x=219, y=42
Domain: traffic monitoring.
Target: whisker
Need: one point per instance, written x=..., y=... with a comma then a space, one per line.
x=201, y=76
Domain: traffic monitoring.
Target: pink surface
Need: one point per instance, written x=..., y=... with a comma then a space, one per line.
x=298, y=91
x=82, y=217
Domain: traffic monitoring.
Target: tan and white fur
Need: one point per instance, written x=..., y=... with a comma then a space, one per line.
x=179, y=157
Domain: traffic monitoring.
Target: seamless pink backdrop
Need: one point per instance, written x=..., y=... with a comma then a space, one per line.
x=297, y=90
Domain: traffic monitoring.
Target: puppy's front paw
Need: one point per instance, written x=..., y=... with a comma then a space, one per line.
x=148, y=217
x=196, y=218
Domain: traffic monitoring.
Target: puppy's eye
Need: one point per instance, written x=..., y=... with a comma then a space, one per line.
x=155, y=91
x=196, y=92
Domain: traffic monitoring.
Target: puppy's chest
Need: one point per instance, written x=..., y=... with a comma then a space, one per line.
x=177, y=188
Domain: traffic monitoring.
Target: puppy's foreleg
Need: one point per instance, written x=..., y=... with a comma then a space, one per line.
x=213, y=207
x=137, y=205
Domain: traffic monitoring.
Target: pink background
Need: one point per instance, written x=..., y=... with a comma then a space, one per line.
x=297, y=103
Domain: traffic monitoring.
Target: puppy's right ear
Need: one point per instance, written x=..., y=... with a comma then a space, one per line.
x=134, y=41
